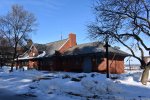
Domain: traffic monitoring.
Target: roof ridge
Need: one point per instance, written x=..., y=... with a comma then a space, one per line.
x=50, y=42
x=56, y=41
x=88, y=43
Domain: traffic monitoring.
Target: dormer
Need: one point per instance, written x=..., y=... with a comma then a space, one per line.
x=33, y=52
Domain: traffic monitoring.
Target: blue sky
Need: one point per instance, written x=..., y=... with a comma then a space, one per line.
x=56, y=17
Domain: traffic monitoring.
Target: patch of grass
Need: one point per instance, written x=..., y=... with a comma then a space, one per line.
x=81, y=76
x=71, y=93
x=65, y=76
x=50, y=92
x=41, y=78
x=79, y=95
x=32, y=87
x=114, y=77
x=75, y=79
x=28, y=95
x=92, y=75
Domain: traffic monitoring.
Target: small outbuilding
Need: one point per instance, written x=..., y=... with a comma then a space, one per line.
x=66, y=55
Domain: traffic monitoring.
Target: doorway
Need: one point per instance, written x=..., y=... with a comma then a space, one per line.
x=87, y=65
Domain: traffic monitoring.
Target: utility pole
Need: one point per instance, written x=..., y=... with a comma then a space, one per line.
x=130, y=64
x=61, y=37
x=129, y=59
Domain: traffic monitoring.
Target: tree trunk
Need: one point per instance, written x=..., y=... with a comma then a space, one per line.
x=12, y=64
x=145, y=75
x=14, y=56
x=143, y=64
x=17, y=65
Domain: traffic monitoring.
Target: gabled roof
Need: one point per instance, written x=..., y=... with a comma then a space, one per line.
x=45, y=50
x=51, y=47
x=94, y=47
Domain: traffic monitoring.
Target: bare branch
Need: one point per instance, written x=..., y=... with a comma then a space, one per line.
x=16, y=25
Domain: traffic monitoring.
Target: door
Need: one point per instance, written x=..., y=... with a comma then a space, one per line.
x=87, y=65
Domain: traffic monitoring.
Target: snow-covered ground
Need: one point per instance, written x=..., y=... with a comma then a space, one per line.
x=43, y=85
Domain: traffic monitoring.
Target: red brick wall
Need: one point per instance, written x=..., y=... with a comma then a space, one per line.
x=33, y=64
x=72, y=39
x=75, y=64
x=33, y=52
x=115, y=66
x=72, y=64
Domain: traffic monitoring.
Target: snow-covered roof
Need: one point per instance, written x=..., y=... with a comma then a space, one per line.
x=27, y=57
x=49, y=49
x=44, y=50
x=94, y=47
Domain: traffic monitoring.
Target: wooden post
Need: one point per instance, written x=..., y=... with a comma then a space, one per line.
x=107, y=56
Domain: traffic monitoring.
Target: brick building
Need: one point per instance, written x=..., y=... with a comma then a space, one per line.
x=66, y=55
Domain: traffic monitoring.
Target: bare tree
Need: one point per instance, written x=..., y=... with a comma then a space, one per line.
x=123, y=21
x=126, y=22
x=16, y=26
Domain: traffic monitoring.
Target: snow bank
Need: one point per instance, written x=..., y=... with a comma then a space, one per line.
x=74, y=86
x=101, y=87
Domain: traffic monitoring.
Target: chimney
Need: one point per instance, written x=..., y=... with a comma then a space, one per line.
x=72, y=40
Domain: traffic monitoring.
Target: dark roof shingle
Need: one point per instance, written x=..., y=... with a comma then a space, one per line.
x=94, y=47
x=49, y=48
